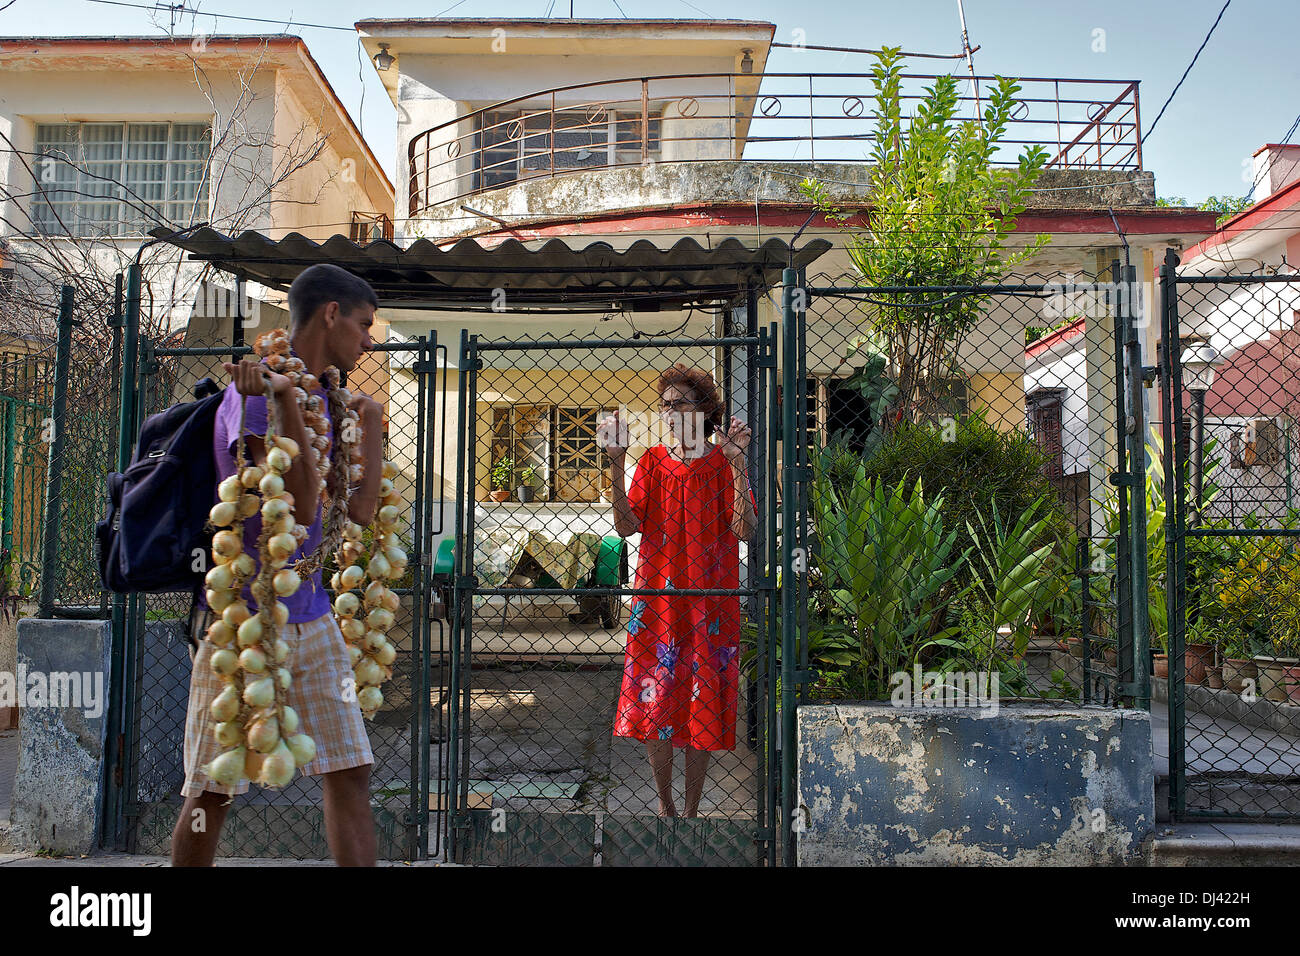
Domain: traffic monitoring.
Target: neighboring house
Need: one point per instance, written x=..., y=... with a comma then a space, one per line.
x=105, y=137
x=1253, y=406
x=624, y=130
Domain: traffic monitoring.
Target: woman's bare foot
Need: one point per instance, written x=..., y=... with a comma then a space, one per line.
x=667, y=809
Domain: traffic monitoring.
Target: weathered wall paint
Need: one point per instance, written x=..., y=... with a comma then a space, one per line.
x=1027, y=785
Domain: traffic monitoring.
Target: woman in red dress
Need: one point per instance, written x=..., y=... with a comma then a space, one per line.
x=692, y=504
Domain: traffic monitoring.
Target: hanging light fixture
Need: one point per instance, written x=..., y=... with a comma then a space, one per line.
x=383, y=60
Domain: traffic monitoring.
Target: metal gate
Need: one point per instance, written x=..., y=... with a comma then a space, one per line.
x=153, y=658
x=1231, y=568
x=538, y=591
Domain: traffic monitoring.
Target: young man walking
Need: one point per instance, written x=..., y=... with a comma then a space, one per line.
x=331, y=312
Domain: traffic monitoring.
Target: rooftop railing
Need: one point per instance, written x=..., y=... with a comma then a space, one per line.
x=799, y=117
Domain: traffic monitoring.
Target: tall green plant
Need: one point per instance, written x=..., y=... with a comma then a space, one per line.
x=940, y=216
x=885, y=561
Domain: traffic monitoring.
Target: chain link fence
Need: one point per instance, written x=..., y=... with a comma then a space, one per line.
x=970, y=540
x=613, y=702
x=288, y=822
x=1229, y=415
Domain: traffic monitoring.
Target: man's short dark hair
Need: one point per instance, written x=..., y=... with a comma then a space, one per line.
x=322, y=283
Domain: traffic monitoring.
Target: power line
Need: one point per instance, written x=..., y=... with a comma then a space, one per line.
x=1152, y=128
x=181, y=8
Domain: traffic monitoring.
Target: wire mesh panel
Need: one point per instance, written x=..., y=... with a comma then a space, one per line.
x=1233, y=563
x=969, y=492
x=289, y=822
x=612, y=698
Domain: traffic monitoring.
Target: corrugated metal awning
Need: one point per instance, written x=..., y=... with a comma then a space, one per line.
x=551, y=274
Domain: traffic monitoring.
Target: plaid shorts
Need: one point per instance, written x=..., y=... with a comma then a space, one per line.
x=318, y=660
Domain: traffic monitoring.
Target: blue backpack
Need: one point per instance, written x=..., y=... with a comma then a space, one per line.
x=156, y=537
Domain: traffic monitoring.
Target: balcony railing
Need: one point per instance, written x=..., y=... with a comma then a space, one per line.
x=800, y=117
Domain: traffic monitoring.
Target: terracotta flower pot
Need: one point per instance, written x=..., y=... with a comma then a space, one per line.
x=1291, y=675
x=1272, y=680
x=1196, y=658
x=1238, y=670
x=1075, y=647
x=500, y=494
x=1214, y=678
x=1162, y=665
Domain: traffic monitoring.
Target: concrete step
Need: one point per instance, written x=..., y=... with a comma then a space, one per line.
x=1226, y=844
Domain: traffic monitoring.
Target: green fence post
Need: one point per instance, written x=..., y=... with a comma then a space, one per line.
x=789, y=377
x=54, y=475
x=1136, y=427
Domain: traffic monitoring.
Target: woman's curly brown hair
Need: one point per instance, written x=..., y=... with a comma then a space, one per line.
x=702, y=388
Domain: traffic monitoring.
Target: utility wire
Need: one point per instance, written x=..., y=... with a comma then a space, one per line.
x=180, y=7
x=1152, y=128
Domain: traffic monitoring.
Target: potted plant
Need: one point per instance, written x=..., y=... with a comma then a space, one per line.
x=525, y=489
x=1160, y=661
x=502, y=472
x=1237, y=665
x=1198, y=653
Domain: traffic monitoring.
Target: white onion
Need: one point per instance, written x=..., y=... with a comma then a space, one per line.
x=272, y=485
x=389, y=515
x=223, y=513
x=248, y=506
x=225, y=705
x=390, y=470
x=346, y=604
x=250, y=476
x=279, y=461
x=281, y=545
x=280, y=614
x=228, y=768
x=252, y=659
x=286, y=582
x=378, y=568
x=367, y=672
x=244, y=565
x=380, y=619
x=385, y=487
x=227, y=733
x=392, y=602
x=274, y=509
x=278, y=767
x=280, y=650
x=353, y=630
x=220, y=577
x=220, y=633
x=352, y=531
x=354, y=654
x=264, y=734
x=288, y=720
x=374, y=640
x=396, y=557
x=220, y=600
x=370, y=699
x=260, y=693
x=250, y=632
x=230, y=489
x=224, y=662
x=284, y=677
x=303, y=749
x=375, y=594
x=386, y=654
x=288, y=444
x=236, y=614
x=226, y=544
x=352, y=576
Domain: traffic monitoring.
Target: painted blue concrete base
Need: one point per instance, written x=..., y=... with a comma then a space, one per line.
x=1027, y=785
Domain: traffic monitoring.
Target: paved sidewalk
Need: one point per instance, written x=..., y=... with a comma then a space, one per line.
x=12, y=860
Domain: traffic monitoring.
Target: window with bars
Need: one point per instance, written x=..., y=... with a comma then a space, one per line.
x=1045, y=425
x=516, y=144
x=559, y=443
x=118, y=179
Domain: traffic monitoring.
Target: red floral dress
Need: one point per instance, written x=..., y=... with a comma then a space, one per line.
x=681, y=671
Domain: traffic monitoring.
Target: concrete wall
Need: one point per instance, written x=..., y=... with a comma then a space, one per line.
x=1029, y=785
x=58, y=792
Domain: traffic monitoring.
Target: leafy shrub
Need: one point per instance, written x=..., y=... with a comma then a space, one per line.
x=978, y=470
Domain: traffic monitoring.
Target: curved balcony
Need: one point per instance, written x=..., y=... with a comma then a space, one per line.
x=792, y=117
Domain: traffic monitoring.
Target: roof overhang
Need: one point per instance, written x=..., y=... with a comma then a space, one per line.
x=643, y=276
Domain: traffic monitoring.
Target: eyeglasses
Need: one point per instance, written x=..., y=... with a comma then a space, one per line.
x=679, y=405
